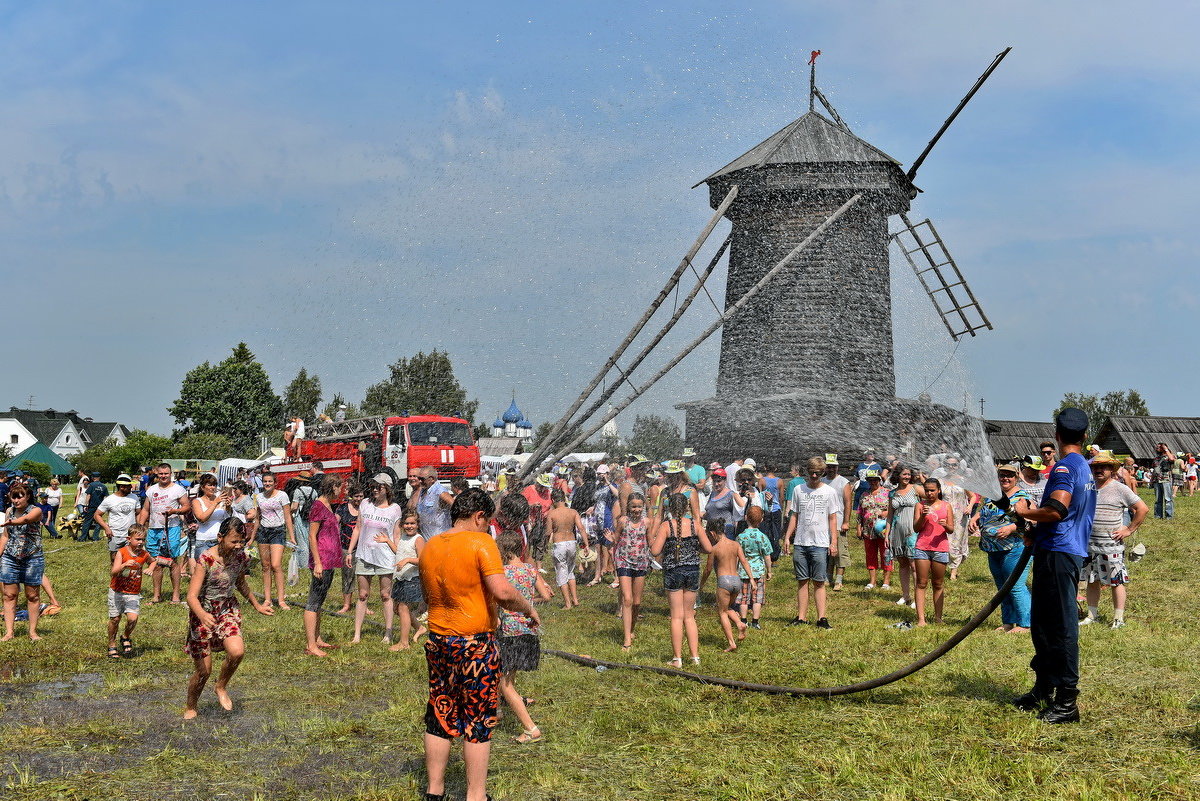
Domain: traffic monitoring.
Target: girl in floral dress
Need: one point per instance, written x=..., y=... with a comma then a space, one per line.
x=215, y=620
x=875, y=506
x=631, y=554
x=520, y=646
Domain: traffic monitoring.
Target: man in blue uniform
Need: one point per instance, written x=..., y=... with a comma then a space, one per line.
x=1062, y=525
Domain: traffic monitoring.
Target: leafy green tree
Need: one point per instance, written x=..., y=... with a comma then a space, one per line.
x=39, y=470
x=302, y=397
x=1099, y=407
x=109, y=459
x=542, y=431
x=202, y=446
x=331, y=408
x=656, y=437
x=233, y=398
x=6, y=453
x=423, y=384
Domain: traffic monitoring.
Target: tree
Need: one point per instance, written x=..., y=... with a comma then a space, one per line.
x=6, y=453
x=202, y=446
x=541, y=432
x=331, y=408
x=1099, y=407
x=233, y=398
x=302, y=396
x=656, y=437
x=109, y=459
x=39, y=470
x=424, y=384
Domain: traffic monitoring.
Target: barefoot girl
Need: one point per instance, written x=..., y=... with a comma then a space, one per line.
x=680, y=539
x=21, y=559
x=631, y=553
x=725, y=558
x=934, y=520
x=274, y=527
x=903, y=538
x=215, y=622
x=520, y=648
x=324, y=557
x=406, y=581
x=374, y=547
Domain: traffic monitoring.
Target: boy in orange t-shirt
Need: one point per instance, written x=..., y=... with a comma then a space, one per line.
x=125, y=589
x=462, y=579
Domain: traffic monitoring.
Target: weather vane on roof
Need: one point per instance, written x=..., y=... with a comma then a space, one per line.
x=812, y=78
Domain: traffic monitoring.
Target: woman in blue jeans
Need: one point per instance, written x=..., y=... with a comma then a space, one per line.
x=996, y=523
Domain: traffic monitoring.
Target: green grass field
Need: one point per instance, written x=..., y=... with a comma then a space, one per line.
x=79, y=726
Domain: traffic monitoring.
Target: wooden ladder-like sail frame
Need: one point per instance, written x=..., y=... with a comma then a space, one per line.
x=940, y=278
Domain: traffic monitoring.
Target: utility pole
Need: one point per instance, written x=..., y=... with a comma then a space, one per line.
x=981, y=408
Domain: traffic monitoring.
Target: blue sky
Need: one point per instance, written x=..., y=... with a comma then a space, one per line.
x=342, y=184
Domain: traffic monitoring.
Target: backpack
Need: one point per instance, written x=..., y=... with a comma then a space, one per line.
x=302, y=494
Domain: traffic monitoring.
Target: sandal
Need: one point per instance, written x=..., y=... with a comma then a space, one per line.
x=52, y=609
x=126, y=646
x=113, y=653
x=528, y=736
x=528, y=701
x=676, y=663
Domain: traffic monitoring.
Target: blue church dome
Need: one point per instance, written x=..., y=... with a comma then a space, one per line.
x=498, y=424
x=524, y=423
x=512, y=414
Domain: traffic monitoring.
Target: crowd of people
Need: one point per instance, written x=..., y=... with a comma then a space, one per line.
x=440, y=557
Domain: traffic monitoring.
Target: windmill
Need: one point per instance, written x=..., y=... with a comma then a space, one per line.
x=810, y=209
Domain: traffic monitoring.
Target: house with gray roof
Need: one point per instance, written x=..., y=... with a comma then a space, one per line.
x=65, y=433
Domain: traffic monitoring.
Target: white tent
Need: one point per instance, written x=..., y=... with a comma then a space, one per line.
x=584, y=458
x=227, y=469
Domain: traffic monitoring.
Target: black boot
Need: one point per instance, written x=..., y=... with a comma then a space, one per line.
x=1035, y=698
x=1063, y=708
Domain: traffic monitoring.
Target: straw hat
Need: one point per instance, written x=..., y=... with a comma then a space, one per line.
x=673, y=466
x=545, y=480
x=1105, y=458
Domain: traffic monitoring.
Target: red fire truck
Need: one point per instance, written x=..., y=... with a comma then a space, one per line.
x=395, y=445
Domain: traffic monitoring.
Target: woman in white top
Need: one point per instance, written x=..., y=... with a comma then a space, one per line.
x=406, y=581
x=373, y=544
x=274, y=526
x=54, y=495
x=209, y=509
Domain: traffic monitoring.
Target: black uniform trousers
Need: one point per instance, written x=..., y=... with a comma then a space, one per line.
x=1054, y=618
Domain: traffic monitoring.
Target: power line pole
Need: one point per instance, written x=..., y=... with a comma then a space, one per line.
x=981, y=408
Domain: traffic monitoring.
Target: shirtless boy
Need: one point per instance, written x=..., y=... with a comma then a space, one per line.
x=726, y=556
x=564, y=523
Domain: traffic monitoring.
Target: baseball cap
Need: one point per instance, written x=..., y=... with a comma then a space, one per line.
x=1072, y=419
x=1033, y=462
x=95, y=474
x=382, y=478
x=602, y=470
x=124, y=479
x=719, y=471
x=1011, y=467
x=750, y=463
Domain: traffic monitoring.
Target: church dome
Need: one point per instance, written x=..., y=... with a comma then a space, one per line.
x=512, y=414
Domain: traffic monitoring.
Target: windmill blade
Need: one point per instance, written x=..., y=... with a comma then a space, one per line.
x=941, y=279
x=961, y=104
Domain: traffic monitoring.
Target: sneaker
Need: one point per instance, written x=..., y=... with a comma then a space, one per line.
x=695, y=660
x=902, y=602
x=903, y=625
x=797, y=622
x=912, y=604
x=823, y=623
x=885, y=586
x=754, y=624
x=1087, y=621
x=1116, y=624
x=868, y=586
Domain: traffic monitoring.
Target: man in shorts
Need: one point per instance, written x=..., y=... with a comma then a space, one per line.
x=162, y=514
x=1105, y=563
x=462, y=579
x=812, y=529
x=839, y=559
x=121, y=509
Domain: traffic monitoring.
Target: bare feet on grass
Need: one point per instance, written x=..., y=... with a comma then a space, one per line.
x=322, y=644
x=6, y=638
x=189, y=714
x=315, y=652
x=732, y=647
x=742, y=630
x=400, y=646
x=223, y=698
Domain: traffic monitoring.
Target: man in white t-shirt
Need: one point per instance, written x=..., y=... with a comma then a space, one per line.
x=121, y=508
x=162, y=515
x=839, y=561
x=813, y=531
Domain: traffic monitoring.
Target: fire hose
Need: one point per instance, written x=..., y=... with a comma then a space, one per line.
x=824, y=692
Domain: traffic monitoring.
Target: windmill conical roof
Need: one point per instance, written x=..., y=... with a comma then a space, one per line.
x=810, y=139
x=512, y=414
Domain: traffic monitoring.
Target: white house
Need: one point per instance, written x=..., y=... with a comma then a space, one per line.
x=65, y=433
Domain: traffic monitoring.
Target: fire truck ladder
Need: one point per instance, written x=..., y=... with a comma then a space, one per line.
x=346, y=429
x=941, y=279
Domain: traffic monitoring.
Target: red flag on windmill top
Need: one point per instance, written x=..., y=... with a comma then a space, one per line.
x=813, y=58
